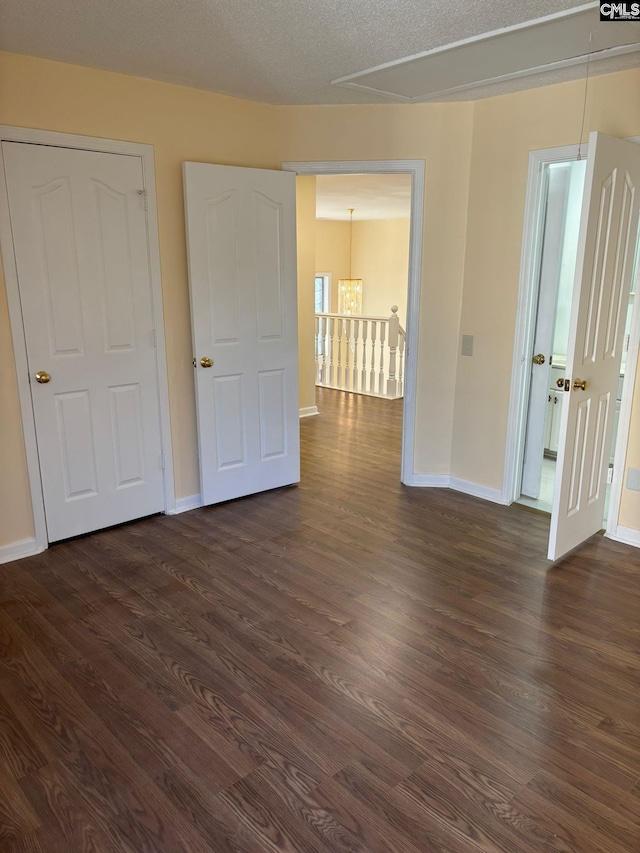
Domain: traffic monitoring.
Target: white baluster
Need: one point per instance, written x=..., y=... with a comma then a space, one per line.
x=401, y=345
x=347, y=358
x=356, y=336
x=394, y=330
x=381, y=386
x=363, y=375
x=340, y=330
x=325, y=343
x=372, y=372
x=332, y=323
x=346, y=363
x=317, y=349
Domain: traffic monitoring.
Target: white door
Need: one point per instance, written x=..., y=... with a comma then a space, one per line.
x=80, y=239
x=606, y=251
x=242, y=272
x=550, y=266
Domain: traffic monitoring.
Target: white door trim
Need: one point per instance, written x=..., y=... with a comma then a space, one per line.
x=108, y=146
x=532, y=234
x=415, y=168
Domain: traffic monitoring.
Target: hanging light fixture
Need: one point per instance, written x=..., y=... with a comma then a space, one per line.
x=350, y=289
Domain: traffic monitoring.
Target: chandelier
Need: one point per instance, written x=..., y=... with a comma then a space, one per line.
x=350, y=289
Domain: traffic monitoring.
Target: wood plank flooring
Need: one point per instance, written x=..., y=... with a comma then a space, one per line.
x=348, y=665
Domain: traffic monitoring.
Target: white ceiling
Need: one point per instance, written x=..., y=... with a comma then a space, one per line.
x=370, y=196
x=275, y=51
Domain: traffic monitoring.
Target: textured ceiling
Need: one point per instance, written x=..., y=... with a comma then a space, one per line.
x=370, y=196
x=275, y=51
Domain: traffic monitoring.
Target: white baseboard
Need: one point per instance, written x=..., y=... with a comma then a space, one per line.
x=627, y=535
x=18, y=550
x=445, y=481
x=430, y=481
x=477, y=490
x=185, y=504
x=309, y=411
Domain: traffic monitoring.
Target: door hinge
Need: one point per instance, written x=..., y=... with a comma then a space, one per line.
x=143, y=194
x=625, y=345
x=162, y=461
x=610, y=474
x=154, y=337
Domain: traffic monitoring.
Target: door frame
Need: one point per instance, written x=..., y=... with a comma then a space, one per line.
x=415, y=168
x=107, y=146
x=528, y=287
x=525, y=329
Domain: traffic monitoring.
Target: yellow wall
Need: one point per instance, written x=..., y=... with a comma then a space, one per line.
x=306, y=236
x=505, y=130
x=476, y=156
x=181, y=124
x=381, y=260
x=16, y=521
x=477, y=164
x=332, y=253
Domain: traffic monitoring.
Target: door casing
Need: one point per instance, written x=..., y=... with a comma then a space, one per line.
x=525, y=329
x=415, y=168
x=109, y=146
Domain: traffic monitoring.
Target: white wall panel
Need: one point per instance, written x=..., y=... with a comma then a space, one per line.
x=77, y=449
x=222, y=255
x=114, y=261
x=56, y=243
x=127, y=432
x=268, y=270
x=273, y=422
x=229, y=415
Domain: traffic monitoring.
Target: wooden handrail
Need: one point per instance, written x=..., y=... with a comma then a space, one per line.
x=357, y=317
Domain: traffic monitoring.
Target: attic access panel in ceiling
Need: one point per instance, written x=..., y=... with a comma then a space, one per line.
x=554, y=41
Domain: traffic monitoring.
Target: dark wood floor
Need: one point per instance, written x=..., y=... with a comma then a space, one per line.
x=349, y=665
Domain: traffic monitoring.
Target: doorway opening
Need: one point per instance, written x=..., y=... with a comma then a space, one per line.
x=327, y=291
x=362, y=243
x=563, y=185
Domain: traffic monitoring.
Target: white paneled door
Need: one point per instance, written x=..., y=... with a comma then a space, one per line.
x=606, y=252
x=80, y=238
x=242, y=273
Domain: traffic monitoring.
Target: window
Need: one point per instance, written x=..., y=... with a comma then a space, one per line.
x=322, y=293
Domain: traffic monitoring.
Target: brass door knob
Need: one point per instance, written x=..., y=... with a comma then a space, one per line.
x=580, y=385
x=205, y=361
x=538, y=359
x=560, y=383
x=43, y=377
